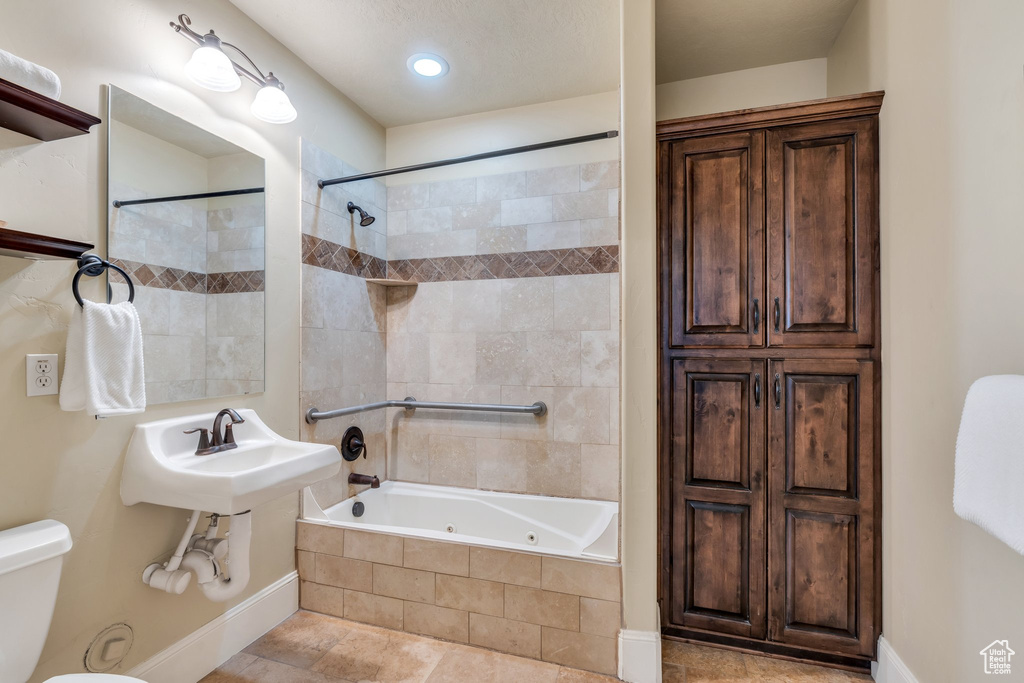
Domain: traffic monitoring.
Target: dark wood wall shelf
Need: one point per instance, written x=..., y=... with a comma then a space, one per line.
x=40, y=117
x=39, y=247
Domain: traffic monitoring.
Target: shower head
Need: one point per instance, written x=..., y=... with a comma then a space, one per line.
x=364, y=218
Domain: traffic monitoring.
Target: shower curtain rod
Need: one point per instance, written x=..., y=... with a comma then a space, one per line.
x=472, y=157
x=118, y=203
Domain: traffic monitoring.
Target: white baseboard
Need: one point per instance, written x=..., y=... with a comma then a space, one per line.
x=640, y=656
x=204, y=650
x=890, y=668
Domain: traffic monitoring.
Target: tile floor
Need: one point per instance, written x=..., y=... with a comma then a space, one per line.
x=315, y=648
x=687, y=663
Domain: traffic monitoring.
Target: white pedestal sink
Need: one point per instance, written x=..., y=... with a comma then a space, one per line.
x=162, y=468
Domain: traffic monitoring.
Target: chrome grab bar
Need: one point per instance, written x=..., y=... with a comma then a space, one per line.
x=409, y=403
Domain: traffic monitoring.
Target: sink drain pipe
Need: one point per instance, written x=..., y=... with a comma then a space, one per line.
x=205, y=557
x=221, y=588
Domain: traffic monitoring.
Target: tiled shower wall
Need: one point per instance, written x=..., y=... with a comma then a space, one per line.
x=343, y=318
x=517, y=302
x=498, y=319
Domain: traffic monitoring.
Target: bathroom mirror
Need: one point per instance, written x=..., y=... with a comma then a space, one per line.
x=186, y=220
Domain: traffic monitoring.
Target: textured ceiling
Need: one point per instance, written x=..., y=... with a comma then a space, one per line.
x=503, y=53
x=704, y=37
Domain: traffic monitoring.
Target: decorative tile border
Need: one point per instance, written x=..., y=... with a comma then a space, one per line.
x=517, y=264
x=332, y=256
x=161, y=277
x=237, y=282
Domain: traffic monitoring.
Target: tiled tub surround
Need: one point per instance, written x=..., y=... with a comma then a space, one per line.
x=324, y=211
x=554, y=609
x=550, y=339
x=551, y=208
x=518, y=302
x=344, y=320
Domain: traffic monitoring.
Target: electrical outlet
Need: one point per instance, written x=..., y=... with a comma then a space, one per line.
x=41, y=374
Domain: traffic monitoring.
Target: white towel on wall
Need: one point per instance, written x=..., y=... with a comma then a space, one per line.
x=103, y=368
x=29, y=75
x=989, y=486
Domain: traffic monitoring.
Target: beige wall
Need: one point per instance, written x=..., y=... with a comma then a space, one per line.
x=475, y=133
x=64, y=465
x=760, y=87
x=639, y=355
x=951, y=174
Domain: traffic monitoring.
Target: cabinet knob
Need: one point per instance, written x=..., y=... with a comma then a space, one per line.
x=757, y=315
x=777, y=314
x=778, y=392
x=757, y=390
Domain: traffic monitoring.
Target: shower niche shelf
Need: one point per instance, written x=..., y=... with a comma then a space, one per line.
x=40, y=117
x=387, y=282
x=38, y=247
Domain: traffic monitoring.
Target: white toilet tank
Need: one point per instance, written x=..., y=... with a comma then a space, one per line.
x=30, y=559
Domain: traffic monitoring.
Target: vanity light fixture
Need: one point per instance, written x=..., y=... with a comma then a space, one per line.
x=211, y=68
x=427, y=64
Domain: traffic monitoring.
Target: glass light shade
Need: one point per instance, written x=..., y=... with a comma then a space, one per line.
x=273, y=106
x=211, y=68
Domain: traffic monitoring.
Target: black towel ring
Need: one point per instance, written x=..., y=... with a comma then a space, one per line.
x=92, y=265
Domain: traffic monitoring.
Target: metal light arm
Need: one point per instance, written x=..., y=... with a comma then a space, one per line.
x=182, y=27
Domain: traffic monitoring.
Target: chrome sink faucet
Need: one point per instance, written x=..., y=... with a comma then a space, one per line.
x=221, y=441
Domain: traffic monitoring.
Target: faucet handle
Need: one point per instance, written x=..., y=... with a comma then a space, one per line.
x=236, y=419
x=204, y=437
x=229, y=434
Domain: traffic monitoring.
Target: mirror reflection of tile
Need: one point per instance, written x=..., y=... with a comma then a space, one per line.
x=198, y=264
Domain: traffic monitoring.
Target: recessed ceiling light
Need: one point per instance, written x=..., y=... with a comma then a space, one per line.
x=428, y=65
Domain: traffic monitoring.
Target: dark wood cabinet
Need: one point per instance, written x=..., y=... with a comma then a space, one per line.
x=716, y=207
x=717, y=525
x=769, y=412
x=822, y=217
x=821, y=516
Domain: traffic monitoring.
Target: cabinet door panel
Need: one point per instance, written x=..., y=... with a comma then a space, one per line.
x=716, y=546
x=822, y=242
x=821, y=494
x=718, y=575
x=715, y=223
x=821, y=416
x=821, y=576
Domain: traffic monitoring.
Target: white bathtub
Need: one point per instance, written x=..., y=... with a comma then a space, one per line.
x=568, y=527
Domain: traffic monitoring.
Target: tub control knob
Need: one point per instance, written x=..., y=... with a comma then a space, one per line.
x=352, y=444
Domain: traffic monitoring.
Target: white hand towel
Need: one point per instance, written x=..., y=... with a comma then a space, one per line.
x=29, y=75
x=103, y=370
x=989, y=486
